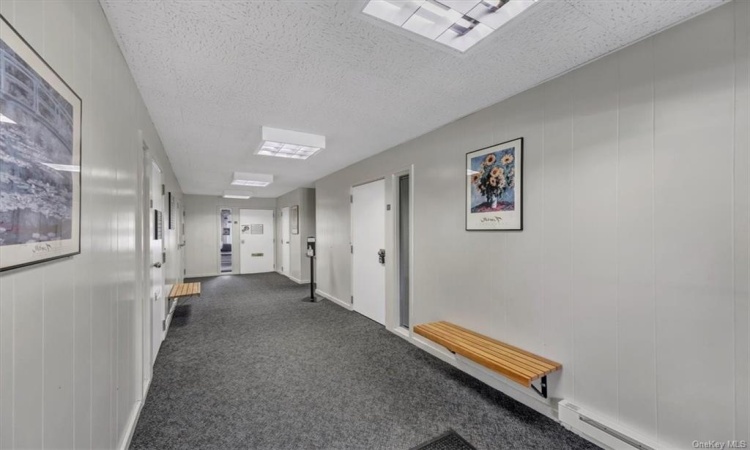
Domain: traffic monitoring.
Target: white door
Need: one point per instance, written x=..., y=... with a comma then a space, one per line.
x=158, y=303
x=368, y=238
x=286, y=248
x=256, y=241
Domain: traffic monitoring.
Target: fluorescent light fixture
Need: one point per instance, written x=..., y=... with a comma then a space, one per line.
x=6, y=119
x=237, y=195
x=63, y=167
x=290, y=144
x=251, y=179
x=459, y=24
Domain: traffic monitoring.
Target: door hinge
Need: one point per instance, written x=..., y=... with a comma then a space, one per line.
x=352, y=299
x=184, y=271
x=163, y=325
x=351, y=199
x=351, y=249
x=151, y=203
x=163, y=189
x=164, y=257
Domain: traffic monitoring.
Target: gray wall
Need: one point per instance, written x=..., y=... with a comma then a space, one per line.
x=69, y=369
x=632, y=269
x=305, y=198
x=202, y=231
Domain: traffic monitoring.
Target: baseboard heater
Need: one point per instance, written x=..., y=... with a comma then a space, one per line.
x=600, y=430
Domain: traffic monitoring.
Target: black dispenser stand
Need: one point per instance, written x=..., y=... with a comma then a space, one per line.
x=311, y=255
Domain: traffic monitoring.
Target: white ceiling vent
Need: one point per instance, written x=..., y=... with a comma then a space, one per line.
x=290, y=144
x=251, y=179
x=240, y=195
x=458, y=24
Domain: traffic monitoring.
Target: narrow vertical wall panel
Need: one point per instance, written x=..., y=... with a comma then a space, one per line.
x=522, y=264
x=28, y=339
x=28, y=375
x=594, y=235
x=741, y=216
x=102, y=186
x=694, y=93
x=485, y=309
x=636, y=342
x=59, y=363
x=7, y=316
x=81, y=82
x=59, y=306
x=556, y=239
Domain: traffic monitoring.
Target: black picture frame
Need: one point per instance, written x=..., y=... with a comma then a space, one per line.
x=61, y=104
x=170, y=210
x=498, y=206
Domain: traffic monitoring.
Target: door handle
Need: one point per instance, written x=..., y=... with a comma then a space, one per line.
x=157, y=265
x=381, y=256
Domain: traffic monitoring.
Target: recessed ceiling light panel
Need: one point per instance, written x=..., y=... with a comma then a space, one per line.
x=290, y=144
x=240, y=195
x=251, y=179
x=459, y=24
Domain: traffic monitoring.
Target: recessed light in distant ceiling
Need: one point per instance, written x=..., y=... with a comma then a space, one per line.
x=290, y=144
x=237, y=195
x=458, y=24
x=251, y=179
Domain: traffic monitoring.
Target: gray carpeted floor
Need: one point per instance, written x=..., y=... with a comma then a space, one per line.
x=248, y=365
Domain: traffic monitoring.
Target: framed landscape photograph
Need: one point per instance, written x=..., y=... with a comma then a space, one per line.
x=40, y=158
x=494, y=187
x=294, y=219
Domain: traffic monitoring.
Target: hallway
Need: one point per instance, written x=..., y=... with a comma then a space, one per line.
x=249, y=365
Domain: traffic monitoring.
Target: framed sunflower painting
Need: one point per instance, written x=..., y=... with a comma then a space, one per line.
x=494, y=184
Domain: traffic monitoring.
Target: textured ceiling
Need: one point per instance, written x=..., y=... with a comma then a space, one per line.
x=213, y=72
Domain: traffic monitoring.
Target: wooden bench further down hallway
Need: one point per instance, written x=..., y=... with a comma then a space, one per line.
x=185, y=290
x=512, y=362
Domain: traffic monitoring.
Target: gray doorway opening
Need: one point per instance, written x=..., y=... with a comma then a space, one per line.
x=225, y=246
x=403, y=250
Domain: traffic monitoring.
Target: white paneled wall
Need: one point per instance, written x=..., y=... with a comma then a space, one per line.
x=69, y=375
x=632, y=269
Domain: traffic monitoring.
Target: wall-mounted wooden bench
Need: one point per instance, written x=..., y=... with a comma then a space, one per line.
x=519, y=365
x=181, y=290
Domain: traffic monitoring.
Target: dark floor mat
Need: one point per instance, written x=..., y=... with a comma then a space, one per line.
x=450, y=440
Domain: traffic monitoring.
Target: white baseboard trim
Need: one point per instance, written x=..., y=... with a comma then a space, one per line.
x=297, y=280
x=333, y=299
x=135, y=414
x=127, y=437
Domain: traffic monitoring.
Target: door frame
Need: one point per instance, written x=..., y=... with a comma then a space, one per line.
x=143, y=279
x=275, y=224
x=287, y=272
x=387, y=187
x=393, y=304
x=234, y=236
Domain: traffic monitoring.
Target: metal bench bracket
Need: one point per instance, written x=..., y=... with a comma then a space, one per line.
x=543, y=391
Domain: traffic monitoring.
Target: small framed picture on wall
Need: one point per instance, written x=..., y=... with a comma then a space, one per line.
x=494, y=187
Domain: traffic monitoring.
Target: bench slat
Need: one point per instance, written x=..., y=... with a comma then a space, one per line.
x=477, y=359
x=519, y=350
x=501, y=356
x=516, y=364
x=504, y=350
x=185, y=290
x=461, y=347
